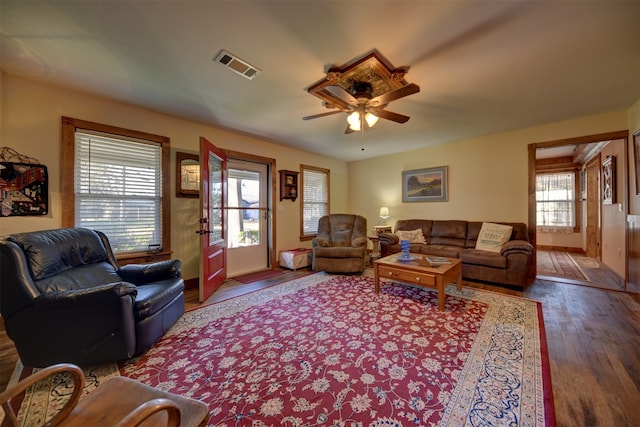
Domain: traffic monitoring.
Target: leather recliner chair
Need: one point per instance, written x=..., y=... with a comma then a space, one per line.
x=341, y=244
x=64, y=298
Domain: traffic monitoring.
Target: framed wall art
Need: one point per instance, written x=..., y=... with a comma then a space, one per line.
x=425, y=185
x=24, y=185
x=187, y=175
x=636, y=154
x=609, y=180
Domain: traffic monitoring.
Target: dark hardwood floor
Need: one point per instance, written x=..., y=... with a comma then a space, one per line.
x=593, y=338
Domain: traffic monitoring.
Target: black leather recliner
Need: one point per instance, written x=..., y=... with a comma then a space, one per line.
x=64, y=298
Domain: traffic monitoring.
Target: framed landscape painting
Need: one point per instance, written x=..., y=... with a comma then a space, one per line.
x=425, y=185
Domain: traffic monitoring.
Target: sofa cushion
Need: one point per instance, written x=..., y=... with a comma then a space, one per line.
x=482, y=257
x=449, y=233
x=493, y=236
x=339, y=252
x=81, y=277
x=413, y=236
x=473, y=229
x=412, y=224
x=441, y=250
x=51, y=252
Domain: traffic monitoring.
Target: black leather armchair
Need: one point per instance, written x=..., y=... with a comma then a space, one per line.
x=64, y=298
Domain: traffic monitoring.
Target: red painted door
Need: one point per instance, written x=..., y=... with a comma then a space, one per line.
x=213, y=195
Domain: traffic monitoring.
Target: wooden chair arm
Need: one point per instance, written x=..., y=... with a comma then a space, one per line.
x=147, y=409
x=12, y=391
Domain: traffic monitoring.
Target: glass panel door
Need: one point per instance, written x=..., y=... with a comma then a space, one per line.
x=248, y=216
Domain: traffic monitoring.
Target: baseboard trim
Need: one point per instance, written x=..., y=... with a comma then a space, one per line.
x=192, y=283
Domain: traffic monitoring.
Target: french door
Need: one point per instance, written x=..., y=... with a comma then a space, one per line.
x=248, y=217
x=213, y=234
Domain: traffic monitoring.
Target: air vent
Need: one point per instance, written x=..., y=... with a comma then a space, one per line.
x=237, y=65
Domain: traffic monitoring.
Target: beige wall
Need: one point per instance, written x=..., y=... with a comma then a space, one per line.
x=488, y=176
x=30, y=124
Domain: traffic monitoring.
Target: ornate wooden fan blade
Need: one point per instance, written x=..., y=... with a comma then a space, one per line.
x=340, y=93
x=390, y=115
x=315, y=116
x=401, y=92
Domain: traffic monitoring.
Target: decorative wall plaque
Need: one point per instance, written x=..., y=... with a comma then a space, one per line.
x=24, y=185
x=609, y=180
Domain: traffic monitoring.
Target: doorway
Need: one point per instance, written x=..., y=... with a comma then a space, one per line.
x=581, y=155
x=250, y=218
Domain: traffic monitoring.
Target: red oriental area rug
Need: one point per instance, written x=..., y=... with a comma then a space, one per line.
x=326, y=350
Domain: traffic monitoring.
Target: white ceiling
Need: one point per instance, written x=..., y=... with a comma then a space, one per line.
x=483, y=66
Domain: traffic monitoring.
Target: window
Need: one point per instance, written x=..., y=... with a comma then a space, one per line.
x=315, y=199
x=113, y=180
x=556, y=202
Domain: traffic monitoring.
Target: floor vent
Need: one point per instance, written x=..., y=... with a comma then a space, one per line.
x=237, y=65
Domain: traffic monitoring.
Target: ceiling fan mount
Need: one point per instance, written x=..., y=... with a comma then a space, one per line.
x=361, y=90
x=366, y=86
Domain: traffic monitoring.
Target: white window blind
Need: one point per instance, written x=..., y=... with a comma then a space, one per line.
x=555, y=202
x=315, y=199
x=118, y=189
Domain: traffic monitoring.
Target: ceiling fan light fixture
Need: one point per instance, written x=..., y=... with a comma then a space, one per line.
x=371, y=119
x=354, y=121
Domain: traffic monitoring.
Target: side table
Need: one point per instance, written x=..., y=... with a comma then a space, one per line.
x=375, y=251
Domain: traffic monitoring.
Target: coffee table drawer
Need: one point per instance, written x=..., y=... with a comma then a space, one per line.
x=407, y=276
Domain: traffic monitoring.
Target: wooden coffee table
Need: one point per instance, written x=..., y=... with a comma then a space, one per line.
x=420, y=272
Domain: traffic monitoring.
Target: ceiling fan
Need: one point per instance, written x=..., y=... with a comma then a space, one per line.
x=363, y=108
x=363, y=88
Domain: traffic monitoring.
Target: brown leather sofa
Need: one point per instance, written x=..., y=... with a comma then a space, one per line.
x=341, y=244
x=457, y=239
x=64, y=298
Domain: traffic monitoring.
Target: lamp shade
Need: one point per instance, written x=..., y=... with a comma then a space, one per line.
x=384, y=212
x=371, y=119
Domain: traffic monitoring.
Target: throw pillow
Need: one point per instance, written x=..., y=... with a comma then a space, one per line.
x=493, y=236
x=414, y=236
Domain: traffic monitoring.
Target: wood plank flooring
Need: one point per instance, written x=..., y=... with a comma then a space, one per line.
x=593, y=337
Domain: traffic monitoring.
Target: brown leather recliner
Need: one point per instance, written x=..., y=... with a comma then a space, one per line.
x=64, y=297
x=341, y=244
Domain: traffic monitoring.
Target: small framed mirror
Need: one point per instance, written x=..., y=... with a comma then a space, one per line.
x=187, y=175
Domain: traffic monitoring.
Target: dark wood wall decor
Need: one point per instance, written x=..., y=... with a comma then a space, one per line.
x=288, y=185
x=24, y=185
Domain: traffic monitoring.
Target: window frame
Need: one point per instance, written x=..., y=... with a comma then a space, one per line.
x=303, y=168
x=67, y=176
x=577, y=198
